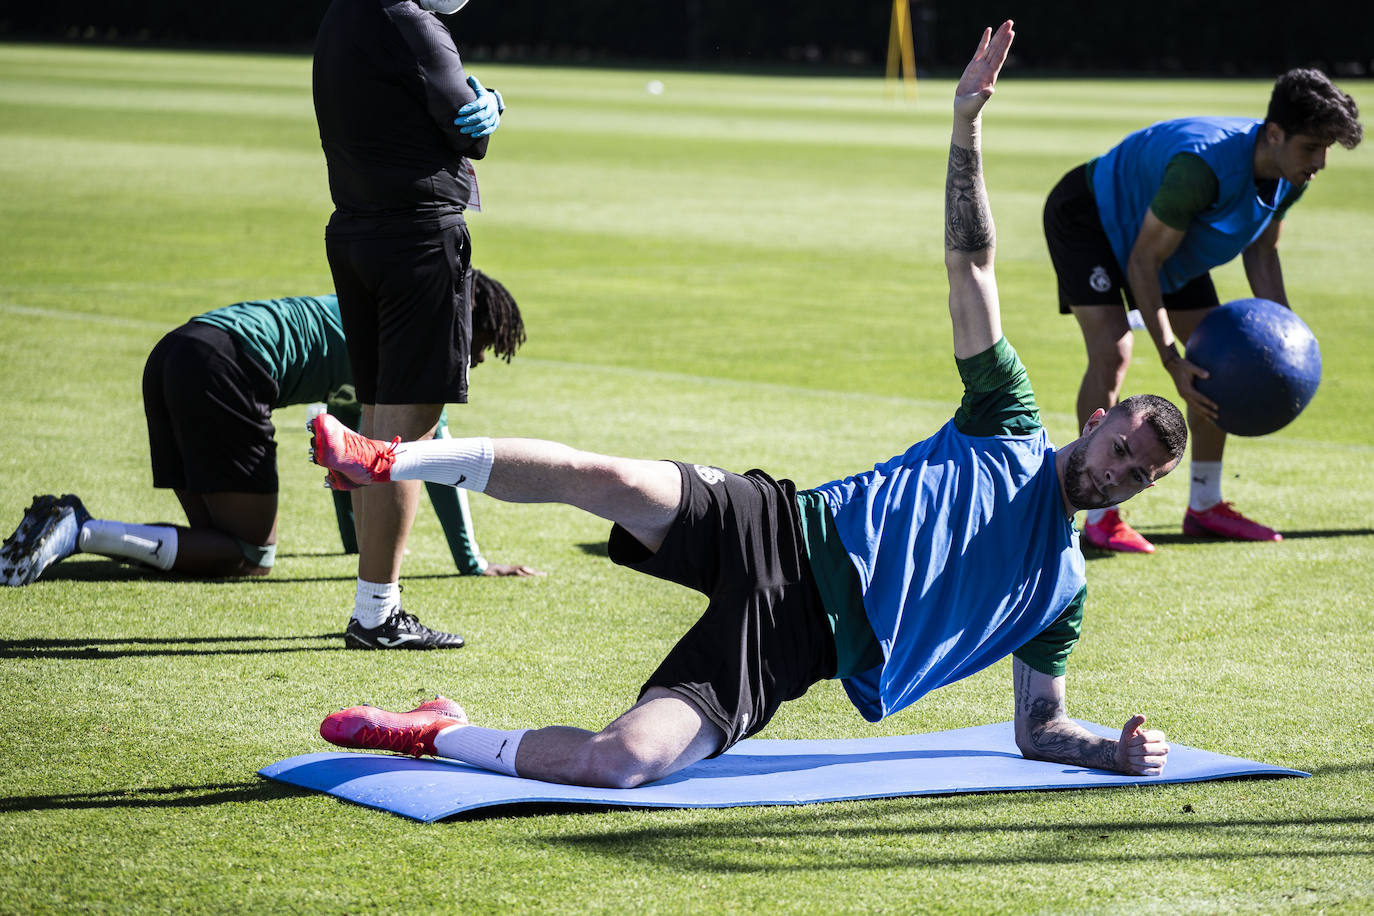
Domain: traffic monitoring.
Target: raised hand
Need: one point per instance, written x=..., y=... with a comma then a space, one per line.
x=980, y=76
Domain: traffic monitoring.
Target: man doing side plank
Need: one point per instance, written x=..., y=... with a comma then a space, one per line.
x=898, y=580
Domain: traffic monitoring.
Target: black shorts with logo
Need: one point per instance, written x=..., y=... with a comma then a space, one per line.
x=405, y=301
x=209, y=410
x=1083, y=258
x=764, y=638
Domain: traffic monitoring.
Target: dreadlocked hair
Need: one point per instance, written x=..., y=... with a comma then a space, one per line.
x=495, y=312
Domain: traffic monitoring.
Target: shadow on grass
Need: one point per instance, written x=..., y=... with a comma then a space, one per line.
x=104, y=570
x=1177, y=537
x=1341, y=769
x=1159, y=538
x=595, y=548
x=747, y=845
x=258, y=790
x=99, y=570
x=140, y=646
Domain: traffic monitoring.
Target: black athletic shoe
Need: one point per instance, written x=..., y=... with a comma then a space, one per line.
x=399, y=631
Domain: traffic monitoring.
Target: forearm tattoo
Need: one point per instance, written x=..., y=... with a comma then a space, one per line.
x=968, y=217
x=1056, y=738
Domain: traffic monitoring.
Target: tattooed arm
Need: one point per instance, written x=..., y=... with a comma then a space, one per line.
x=1044, y=732
x=969, y=234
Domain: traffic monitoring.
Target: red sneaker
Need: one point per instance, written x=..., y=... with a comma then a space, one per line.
x=1223, y=521
x=352, y=460
x=376, y=729
x=1111, y=533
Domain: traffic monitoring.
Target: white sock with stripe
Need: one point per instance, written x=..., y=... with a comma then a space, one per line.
x=489, y=748
x=462, y=463
x=153, y=545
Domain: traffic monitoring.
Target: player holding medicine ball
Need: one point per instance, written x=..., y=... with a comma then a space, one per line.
x=1150, y=218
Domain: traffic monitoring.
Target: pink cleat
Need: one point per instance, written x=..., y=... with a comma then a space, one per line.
x=1111, y=533
x=353, y=460
x=1224, y=522
x=402, y=732
x=441, y=707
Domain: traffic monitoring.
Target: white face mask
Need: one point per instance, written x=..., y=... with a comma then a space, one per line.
x=443, y=7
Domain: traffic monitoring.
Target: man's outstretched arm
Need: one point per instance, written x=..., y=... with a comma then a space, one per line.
x=969, y=235
x=1045, y=732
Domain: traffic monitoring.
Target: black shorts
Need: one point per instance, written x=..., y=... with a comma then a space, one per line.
x=1083, y=258
x=764, y=638
x=406, y=308
x=209, y=410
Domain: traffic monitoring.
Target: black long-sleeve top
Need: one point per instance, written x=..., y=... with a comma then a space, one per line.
x=387, y=85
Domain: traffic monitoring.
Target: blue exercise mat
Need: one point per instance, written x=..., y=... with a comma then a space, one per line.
x=758, y=771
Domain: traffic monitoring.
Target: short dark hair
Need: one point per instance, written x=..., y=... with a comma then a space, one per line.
x=1164, y=418
x=1304, y=101
x=495, y=312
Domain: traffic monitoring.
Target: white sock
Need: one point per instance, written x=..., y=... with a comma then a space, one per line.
x=154, y=545
x=488, y=748
x=374, y=602
x=1095, y=515
x=462, y=463
x=1205, y=491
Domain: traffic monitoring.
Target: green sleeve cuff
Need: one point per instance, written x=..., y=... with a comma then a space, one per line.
x=998, y=399
x=1049, y=651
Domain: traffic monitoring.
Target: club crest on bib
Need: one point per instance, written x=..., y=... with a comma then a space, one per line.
x=1099, y=280
x=709, y=474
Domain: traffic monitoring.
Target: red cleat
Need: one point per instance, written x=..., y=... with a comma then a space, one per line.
x=353, y=460
x=1224, y=522
x=1111, y=533
x=402, y=732
x=442, y=707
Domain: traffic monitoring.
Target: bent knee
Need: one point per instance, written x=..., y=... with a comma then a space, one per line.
x=611, y=765
x=1108, y=363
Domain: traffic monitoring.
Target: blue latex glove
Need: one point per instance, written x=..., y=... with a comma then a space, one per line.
x=482, y=115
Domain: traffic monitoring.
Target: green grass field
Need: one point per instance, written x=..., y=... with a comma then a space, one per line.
x=741, y=271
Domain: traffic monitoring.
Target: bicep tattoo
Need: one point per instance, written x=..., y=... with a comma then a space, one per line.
x=968, y=216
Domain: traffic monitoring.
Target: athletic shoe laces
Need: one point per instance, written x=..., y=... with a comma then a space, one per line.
x=401, y=739
x=366, y=453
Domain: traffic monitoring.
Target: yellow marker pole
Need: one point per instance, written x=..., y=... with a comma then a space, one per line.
x=901, y=49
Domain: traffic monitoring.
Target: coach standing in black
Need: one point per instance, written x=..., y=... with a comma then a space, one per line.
x=399, y=121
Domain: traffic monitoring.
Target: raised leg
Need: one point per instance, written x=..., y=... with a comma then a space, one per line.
x=641, y=496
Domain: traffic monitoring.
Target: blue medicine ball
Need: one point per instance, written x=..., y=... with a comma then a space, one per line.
x=1264, y=362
